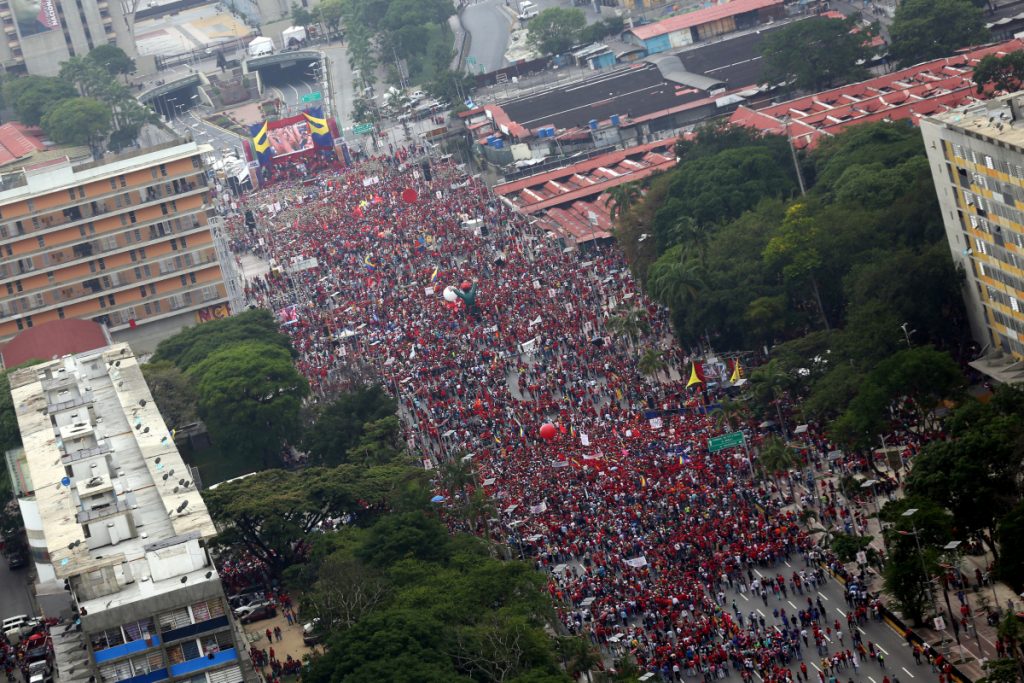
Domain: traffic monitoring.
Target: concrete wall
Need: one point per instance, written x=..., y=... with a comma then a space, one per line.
x=186, y=595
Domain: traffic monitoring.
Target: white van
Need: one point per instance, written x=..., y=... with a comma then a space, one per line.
x=13, y=622
x=527, y=10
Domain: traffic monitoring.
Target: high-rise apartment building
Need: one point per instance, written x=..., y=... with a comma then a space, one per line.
x=40, y=34
x=126, y=242
x=976, y=154
x=117, y=529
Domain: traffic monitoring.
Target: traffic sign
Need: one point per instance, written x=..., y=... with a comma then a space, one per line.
x=312, y=97
x=729, y=440
x=362, y=128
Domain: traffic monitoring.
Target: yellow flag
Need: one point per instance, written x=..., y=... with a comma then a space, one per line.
x=737, y=372
x=694, y=378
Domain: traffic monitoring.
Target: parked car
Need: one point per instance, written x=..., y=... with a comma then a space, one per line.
x=243, y=599
x=17, y=560
x=310, y=637
x=256, y=612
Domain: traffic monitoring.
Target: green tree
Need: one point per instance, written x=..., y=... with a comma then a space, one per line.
x=652, y=363
x=192, y=345
x=33, y=96
x=339, y=426
x=78, y=121
x=621, y=198
x=929, y=29
x=630, y=322
x=173, y=393
x=819, y=52
x=113, y=59
x=556, y=29
x=1010, y=565
x=913, y=556
x=301, y=16
x=249, y=397
x=1003, y=73
x=676, y=280
x=776, y=456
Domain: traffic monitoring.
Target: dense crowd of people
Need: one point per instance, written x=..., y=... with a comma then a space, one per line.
x=648, y=538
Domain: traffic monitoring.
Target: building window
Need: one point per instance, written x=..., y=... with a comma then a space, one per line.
x=1014, y=304
x=142, y=291
x=40, y=240
x=111, y=299
x=980, y=245
x=102, y=262
x=60, y=313
x=173, y=619
x=163, y=170
x=113, y=183
x=132, y=255
x=123, y=181
x=28, y=321
x=71, y=194
x=131, y=217
x=81, y=192
x=138, y=630
x=31, y=204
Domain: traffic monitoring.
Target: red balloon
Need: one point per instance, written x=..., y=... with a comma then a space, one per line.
x=409, y=195
x=466, y=285
x=547, y=431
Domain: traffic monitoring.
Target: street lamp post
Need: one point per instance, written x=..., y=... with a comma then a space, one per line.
x=909, y=514
x=952, y=545
x=870, y=484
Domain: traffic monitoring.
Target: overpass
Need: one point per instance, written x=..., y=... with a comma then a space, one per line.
x=282, y=60
x=168, y=87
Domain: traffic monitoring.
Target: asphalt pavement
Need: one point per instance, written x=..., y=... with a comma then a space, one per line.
x=488, y=26
x=14, y=591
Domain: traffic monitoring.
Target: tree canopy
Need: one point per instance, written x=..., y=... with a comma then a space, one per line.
x=819, y=52
x=929, y=29
x=556, y=29
x=192, y=345
x=1003, y=73
x=173, y=393
x=249, y=397
x=78, y=121
x=340, y=426
x=32, y=97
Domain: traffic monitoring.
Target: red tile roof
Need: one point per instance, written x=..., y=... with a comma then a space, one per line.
x=572, y=202
x=17, y=141
x=53, y=340
x=911, y=93
x=700, y=17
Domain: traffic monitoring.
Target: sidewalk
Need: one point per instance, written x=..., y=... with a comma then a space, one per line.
x=978, y=641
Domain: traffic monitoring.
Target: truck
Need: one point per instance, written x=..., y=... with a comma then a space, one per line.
x=527, y=10
x=293, y=37
x=261, y=46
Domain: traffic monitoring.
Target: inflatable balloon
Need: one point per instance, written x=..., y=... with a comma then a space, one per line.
x=547, y=431
x=450, y=294
x=409, y=195
x=466, y=284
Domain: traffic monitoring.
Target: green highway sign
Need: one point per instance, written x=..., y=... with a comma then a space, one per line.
x=362, y=128
x=471, y=60
x=312, y=97
x=729, y=440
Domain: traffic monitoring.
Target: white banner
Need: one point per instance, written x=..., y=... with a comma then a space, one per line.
x=537, y=509
x=584, y=439
x=637, y=562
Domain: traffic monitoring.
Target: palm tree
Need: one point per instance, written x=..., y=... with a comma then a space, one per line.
x=675, y=280
x=456, y=475
x=776, y=456
x=693, y=237
x=629, y=322
x=771, y=383
x=480, y=509
x=578, y=656
x=652, y=363
x=731, y=414
x=622, y=198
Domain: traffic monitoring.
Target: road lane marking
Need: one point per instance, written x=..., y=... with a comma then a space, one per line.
x=791, y=604
x=884, y=651
x=816, y=667
x=744, y=596
x=787, y=563
x=872, y=680
x=761, y=613
x=841, y=612
x=907, y=672
x=822, y=595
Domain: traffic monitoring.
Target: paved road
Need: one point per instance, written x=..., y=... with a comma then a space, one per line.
x=899, y=660
x=488, y=26
x=344, y=89
x=205, y=133
x=14, y=591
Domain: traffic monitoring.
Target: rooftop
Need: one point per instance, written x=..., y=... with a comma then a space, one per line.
x=572, y=202
x=631, y=92
x=91, y=415
x=996, y=118
x=701, y=17
x=52, y=340
x=927, y=89
x=57, y=174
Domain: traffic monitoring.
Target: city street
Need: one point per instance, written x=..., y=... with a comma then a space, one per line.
x=14, y=592
x=488, y=25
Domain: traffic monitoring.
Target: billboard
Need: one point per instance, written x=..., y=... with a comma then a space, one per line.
x=35, y=16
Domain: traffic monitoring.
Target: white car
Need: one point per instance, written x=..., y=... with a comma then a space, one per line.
x=14, y=622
